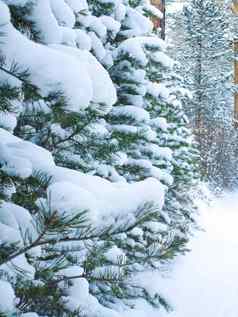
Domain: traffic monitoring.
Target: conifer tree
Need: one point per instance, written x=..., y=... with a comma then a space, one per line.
x=83, y=239
x=149, y=128
x=155, y=141
x=203, y=29
x=56, y=274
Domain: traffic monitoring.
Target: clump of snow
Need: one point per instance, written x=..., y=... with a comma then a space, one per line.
x=114, y=254
x=12, y=164
x=21, y=158
x=63, y=13
x=45, y=22
x=136, y=48
x=151, y=9
x=16, y=224
x=77, y=5
x=94, y=24
x=112, y=25
x=9, y=235
x=7, y=297
x=105, y=200
x=136, y=24
x=68, y=36
x=138, y=114
x=4, y=14
x=163, y=59
x=8, y=120
x=160, y=123
x=158, y=152
x=66, y=197
x=83, y=40
x=45, y=68
x=120, y=10
x=79, y=297
x=158, y=90
x=97, y=46
x=156, y=227
x=102, y=87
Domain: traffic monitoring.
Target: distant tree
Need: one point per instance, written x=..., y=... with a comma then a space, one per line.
x=202, y=43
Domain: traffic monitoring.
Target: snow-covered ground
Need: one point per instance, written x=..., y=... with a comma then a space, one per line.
x=204, y=283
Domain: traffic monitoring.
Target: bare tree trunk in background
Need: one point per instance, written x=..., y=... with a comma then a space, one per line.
x=162, y=25
x=236, y=81
x=159, y=23
x=234, y=8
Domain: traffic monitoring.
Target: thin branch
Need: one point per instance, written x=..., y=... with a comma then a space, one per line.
x=87, y=276
x=39, y=242
x=17, y=77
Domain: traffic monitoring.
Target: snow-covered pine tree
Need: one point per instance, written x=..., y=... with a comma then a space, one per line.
x=106, y=233
x=141, y=147
x=59, y=228
x=149, y=129
x=150, y=125
x=77, y=139
x=148, y=119
x=202, y=31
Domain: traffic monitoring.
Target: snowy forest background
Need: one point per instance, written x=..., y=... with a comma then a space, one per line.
x=106, y=132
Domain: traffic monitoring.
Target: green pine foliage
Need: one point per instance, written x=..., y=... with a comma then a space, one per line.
x=143, y=135
x=152, y=132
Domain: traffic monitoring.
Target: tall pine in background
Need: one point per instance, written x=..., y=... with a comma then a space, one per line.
x=203, y=30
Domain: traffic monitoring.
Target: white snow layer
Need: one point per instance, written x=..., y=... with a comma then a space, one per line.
x=105, y=199
x=72, y=190
x=7, y=297
x=77, y=5
x=202, y=283
x=22, y=158
x=80, y=80
x=137, y=47
x=136, y=23
x=103, y=89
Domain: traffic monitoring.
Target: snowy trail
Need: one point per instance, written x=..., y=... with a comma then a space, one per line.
x=204, y=283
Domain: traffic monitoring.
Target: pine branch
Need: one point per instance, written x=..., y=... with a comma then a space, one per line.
x=89, y=277
x=54, y=224
x=11, y=73
x=34, y=244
